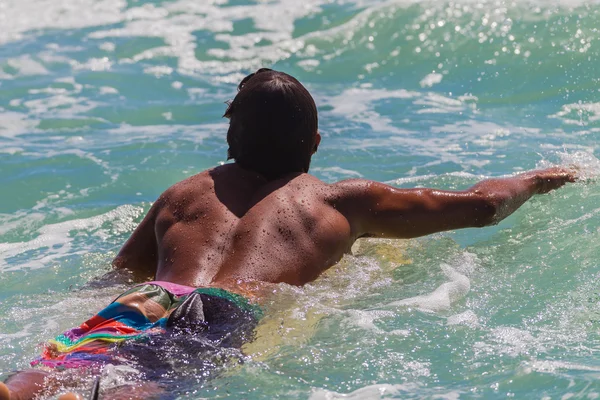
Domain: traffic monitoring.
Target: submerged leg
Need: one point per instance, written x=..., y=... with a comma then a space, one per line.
x=24, y=385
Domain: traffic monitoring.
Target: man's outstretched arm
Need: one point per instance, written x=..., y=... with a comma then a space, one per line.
x=379, y=210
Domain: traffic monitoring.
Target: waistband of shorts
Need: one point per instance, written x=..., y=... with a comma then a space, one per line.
x=237, y=299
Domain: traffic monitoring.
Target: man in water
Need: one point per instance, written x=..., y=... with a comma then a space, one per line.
x=212, y=241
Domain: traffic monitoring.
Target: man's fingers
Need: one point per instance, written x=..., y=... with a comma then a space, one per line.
x=567, y=174
x=553, y=178
x=572, y=172
x=570, y=176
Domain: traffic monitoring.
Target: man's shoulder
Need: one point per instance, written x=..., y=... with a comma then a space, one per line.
x=337, y=190
x=340, y=195
x=188, y=187
x=352, y=187
x=353, y=183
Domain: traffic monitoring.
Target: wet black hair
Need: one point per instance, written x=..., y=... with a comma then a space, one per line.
x=273, y=124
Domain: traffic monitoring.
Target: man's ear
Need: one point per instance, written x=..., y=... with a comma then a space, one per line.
x=317, y=142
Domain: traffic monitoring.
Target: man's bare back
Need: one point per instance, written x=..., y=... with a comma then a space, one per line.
x=228, y=226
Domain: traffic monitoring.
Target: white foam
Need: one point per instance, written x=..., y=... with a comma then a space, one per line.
x=356, y=104
x=126, y=133
x=513, y=341
x=108, y=90
x=366, y=319
x=175, y=23
x=448, y=293
x=580, y=113
x=437, y=104
x=119, y=375
x=336, y=173
x=93, y=64
x=371, y=392
x=158, y=70
x=60, y=102
x=107, y=46
x=309, y=65
x=24, y=332
x=452, y=395
x=20, y=220
x=467, y=318
x=11, y=150
x=55, y=241
x=19, y=17
x=442, y=298
x=552, y=366
x=14, y=123
x=26, y=66
x=431, y=79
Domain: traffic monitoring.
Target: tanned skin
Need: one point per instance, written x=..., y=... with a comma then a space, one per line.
x=231, y=228
x=228, y=226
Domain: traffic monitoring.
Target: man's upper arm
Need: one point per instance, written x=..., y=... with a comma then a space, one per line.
x=140, y=252
x=376, y=209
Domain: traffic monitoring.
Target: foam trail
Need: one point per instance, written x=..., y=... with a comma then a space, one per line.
x=442, y=298
x=448, y=293
x=371, y=392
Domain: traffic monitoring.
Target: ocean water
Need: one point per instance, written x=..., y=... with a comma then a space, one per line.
x=106, y=103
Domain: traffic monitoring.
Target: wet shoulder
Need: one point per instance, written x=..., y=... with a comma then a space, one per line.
x=187, y=192
x=338, y=194
x=306, y=185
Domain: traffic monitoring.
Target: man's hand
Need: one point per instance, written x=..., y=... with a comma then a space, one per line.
x=553, y=178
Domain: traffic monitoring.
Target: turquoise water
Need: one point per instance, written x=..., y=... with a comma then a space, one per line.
x=105, y=103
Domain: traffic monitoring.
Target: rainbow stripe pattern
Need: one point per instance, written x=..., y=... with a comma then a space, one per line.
x=138, y=313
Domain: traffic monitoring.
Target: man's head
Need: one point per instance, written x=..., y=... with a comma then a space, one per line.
x=273, y=127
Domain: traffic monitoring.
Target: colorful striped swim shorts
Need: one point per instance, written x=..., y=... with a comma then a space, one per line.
x=150, y=311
